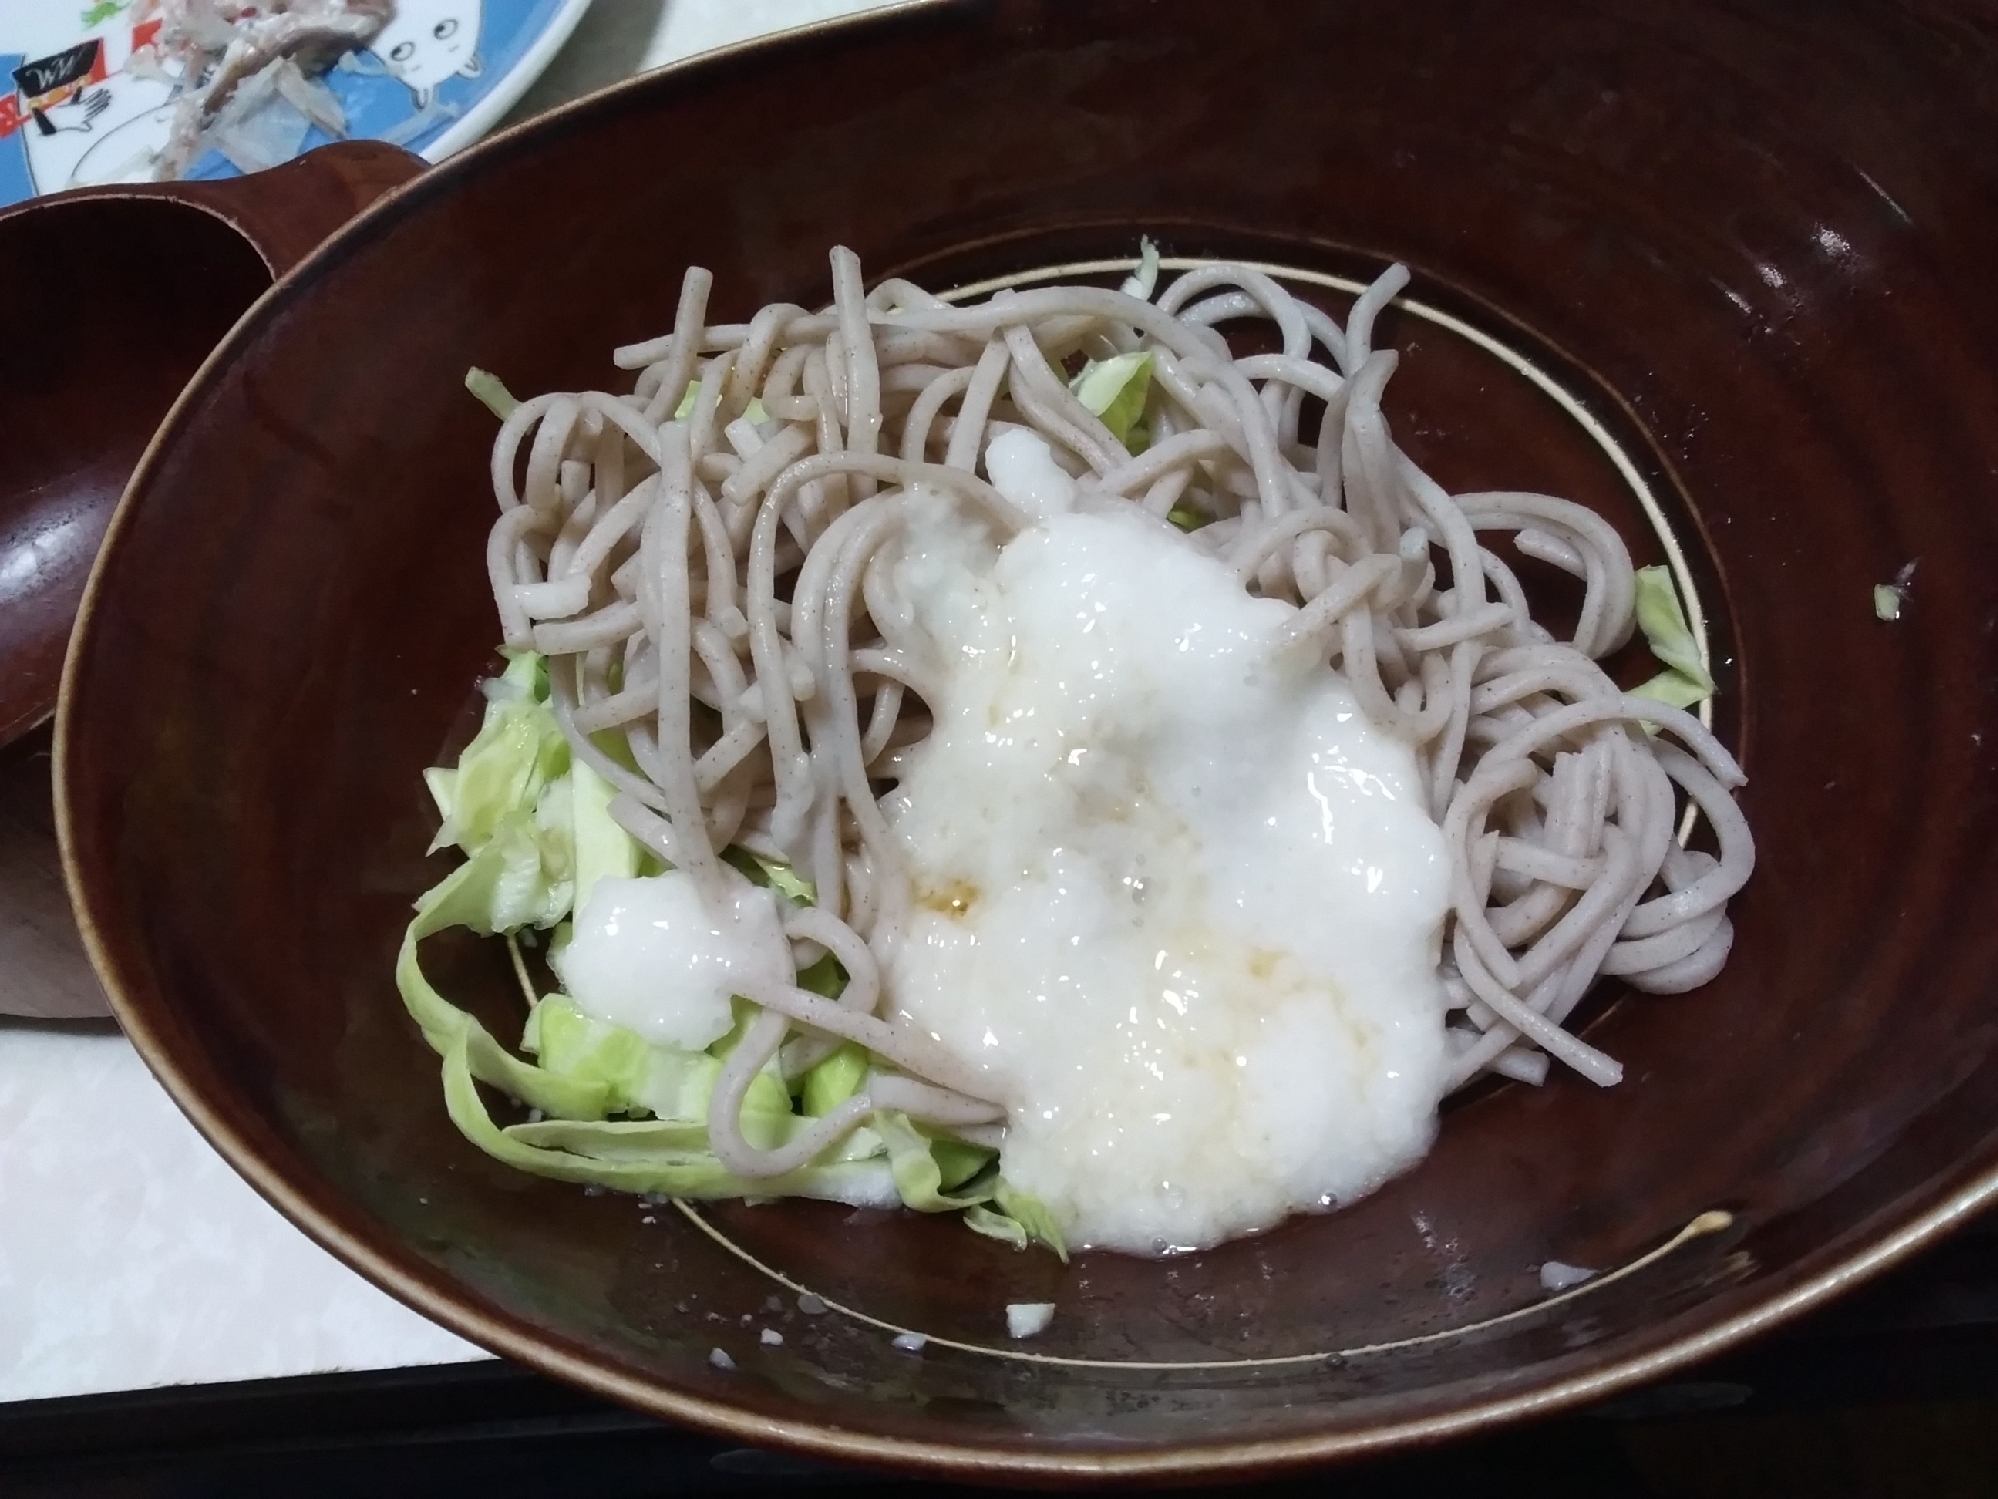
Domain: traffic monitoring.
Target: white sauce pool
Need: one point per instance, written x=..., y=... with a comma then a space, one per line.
x=648, y=956
x=1175, y=898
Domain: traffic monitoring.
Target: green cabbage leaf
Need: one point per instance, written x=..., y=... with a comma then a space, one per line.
x=1116, y=390
x=1685, y=680
x=492, y=394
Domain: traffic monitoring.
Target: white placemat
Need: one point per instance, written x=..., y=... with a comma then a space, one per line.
x=132, y=1255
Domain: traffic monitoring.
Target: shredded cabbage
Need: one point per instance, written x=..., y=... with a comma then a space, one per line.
x=611, y=1108
x=1685, y=681
x=1889, y=598
x=1140, y=283
x=753, y=413
x=929, y=1169
x=1032, y=1215
x=603, y=849
x=518, y=752
x=1673, y=689
x=636, y=1155
x=782, y=878
x=983, y=1220
x=1017, y=1218
x=832, y=1082
x=1116, y=390
x=660, y=1080
x=487, y=387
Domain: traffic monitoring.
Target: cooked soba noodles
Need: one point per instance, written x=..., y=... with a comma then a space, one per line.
x=708, y=566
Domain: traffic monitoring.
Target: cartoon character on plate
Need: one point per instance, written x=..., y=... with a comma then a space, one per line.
x=84, y=118
x=430, y=41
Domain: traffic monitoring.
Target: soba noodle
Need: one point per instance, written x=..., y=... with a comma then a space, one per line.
x=706, y=564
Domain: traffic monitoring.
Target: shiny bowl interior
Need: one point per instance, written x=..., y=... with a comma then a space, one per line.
x=1722, y=273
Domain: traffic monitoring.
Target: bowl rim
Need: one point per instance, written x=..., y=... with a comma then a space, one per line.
x=826, y=1439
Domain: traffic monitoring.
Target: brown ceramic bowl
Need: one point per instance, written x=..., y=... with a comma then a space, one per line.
x=1747, y=250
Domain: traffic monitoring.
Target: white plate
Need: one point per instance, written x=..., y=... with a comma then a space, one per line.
x=435, y=81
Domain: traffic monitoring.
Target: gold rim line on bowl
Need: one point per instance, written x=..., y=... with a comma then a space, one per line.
x=1713, y=1221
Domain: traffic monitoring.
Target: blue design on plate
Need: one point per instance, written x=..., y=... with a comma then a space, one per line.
x=426, y=70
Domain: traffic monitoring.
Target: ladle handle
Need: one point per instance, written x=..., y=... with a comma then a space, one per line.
x=290, y=210
x=285, y=213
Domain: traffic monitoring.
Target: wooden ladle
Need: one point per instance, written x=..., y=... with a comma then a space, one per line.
x=110, y=299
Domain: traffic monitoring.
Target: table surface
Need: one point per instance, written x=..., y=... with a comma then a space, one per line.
x=131, y=1256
